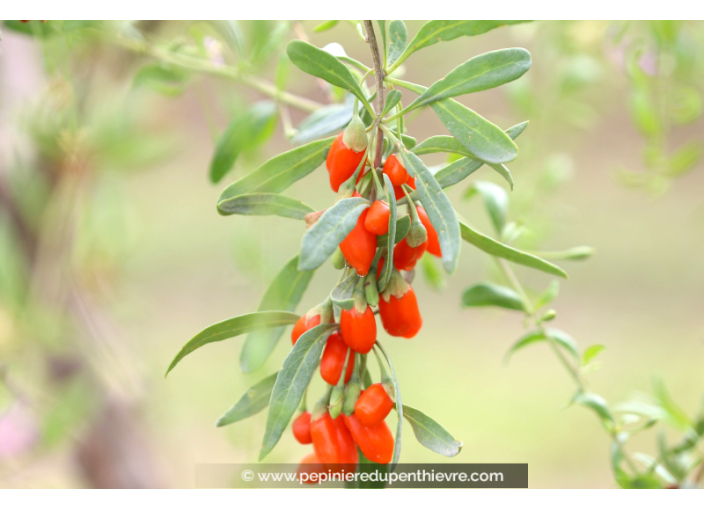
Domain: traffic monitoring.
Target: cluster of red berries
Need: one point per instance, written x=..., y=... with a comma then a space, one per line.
x=335, y=437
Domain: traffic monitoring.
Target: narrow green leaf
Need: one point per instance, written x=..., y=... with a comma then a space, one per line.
x=234, y=327
x=495, y=202
x=325, y=25
x=676, y=416
x=292, y=381
x=329, y=231
x=398, y=36
x=460, y=169
x=576, y=253
x=479, y=73
x=280, y=172
x=387, y=270
x=392, y=99
x=432, y=272
x=591, y=352
x=442, y=143
x=431, y=434
x=532, y=337
x=398, y=404
x=435, y=31
x=253, y=401
x=382, y=34
x=341, y=294
x=548, y=296
x=241, y=134
x=322, y=64
x=439, y=210
x=403, y=225
x=504, y=172
x=490, y=294
x=265, y=204
x=596, y=403
x=284, y=293
x=323, y=122
x=168, y=81
x=484, y=139
x=497, y=249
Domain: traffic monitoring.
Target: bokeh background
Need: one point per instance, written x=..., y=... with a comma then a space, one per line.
x=112, y=254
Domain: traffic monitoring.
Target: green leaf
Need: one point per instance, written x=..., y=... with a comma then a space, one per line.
x=685, y=159
x=243, y=133
x=292, y=381
x=392, y=99
x=562, y=338
x=479, y=73
x=325, y=25
x=548, y=296
x=323, y=122
x=484, y=139
x=321, y=240
x=432, y=272
x=398, y=404
x=234, y=327
x=591, y=352
x=675, y=414
x=164, y=80
x=437, y=30
x=497, y=249
x=253, y=401
x=495, y=202
x=490, y=294
x=341, y=294
x=460, y=169
x=382, y=34
x=265, y=204
x=284, y=293
x=503, y=172
x=431, y=434
x=403, y=225
x=438, y=208
x=596, y=403
x=441, y=143
x=322, y=64
x=280, y=172
x=397, y=40
x=387, y=270
x=576, y=253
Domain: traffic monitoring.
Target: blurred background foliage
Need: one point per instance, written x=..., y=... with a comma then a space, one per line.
x=112, y=254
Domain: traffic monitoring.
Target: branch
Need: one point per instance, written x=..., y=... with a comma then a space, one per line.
x=222, y=71
x=379, y=73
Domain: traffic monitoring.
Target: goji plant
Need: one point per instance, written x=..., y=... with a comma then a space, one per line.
x=375, y=168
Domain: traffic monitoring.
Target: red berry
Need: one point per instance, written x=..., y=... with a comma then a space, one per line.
x=396, y=170
x=302, y=325
x=333, y=360
x=377, y=220
x=358, y=330
x=374, y=405
x=341, y=162
x=406, y=257
x=401, y=316
x=301, y=428
x=433, y=246
x=359, y=247
x=376, y=441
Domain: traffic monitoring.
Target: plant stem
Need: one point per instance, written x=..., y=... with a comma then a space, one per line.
x=222, y=71
x=379, y=73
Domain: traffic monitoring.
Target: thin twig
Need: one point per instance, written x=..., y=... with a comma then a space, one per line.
x=379, y=73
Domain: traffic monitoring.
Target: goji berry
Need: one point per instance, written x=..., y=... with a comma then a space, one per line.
x=399, y=312
x=375, y=441
x=396, y=170
x=377, y=220
x=398, y=190
x=359, y=247
x=302, y=325
x=301, y=428
x=342, y=162
x=358, y=329
x=333, y=360
x=332, y=441
x=406, y=257
x=433, y=245
x=374, y=405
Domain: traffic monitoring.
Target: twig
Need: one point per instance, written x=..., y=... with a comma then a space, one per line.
x=379, y=73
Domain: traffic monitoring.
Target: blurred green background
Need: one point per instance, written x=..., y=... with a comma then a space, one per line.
x=119, y=256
